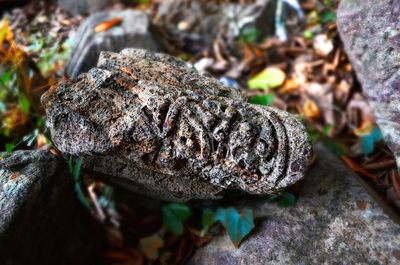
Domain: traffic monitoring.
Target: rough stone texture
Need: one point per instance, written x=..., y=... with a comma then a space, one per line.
x=81, y=7
x=133, y=32
x=41, y=221
x=335, y=221
x=198, y=23
x=154, y=112
x=370, y=30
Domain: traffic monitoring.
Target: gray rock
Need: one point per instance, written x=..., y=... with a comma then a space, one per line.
x=81, y=7
x=133, y=32
x=370, y=30
x=335, y=221
x=198, y=23
x=41, y=221
x=153, y=112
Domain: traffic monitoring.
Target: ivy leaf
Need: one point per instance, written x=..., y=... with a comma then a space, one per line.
x=173, y=216
x=238, y=225
x=368, y=141
x=265, y=99
x=150, y=246
x=270, y=77
x=207, y=221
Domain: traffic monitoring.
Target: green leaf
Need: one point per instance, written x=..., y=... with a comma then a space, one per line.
x=10, y=147
x=327, y=17
x=287, y=199
x=173, y=216
x=334, y=147
x=250, y=34
x=238, y=225
x=207, y=221
x=24, y=103
x=75, y=167
x=265, y=99
x=270, y=77
x=368, y=141
x=308, y=34
x=150, y=246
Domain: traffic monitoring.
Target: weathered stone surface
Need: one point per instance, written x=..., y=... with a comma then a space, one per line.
x=370, y=30
x=154, y=112
x=81, y=7
x=335, y=221
x=198, y=23
x=41, y=221
x=133, y=32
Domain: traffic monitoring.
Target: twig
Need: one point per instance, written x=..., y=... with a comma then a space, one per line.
x=380, y=165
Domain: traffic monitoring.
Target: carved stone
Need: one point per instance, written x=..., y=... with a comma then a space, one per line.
x=154, y=112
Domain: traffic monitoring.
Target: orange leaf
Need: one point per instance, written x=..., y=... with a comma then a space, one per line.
x=310, y=109
x=365, y=128
x=356, y=168
x=106, y=25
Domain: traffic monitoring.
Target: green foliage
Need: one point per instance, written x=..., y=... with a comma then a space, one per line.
x=207, y=221
x=328, y=17
x=10, y=147
x=250, y=34
x=308, y=34
x=368, y=141
x=286, y=199
x=173, y=216
x=268, y=78
x=238, y=225
x=265, y=99
x=74, y=167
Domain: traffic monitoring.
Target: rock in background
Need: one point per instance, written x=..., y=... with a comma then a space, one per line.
x=41, y=220
x=81, y=7
x=370, y=31
x=335, y=221
x=133, y=32
x=199, y=23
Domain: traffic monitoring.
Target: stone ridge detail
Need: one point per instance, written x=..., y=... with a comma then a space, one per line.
x=156, y=112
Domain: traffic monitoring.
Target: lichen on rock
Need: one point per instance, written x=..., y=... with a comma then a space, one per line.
x=155, y=112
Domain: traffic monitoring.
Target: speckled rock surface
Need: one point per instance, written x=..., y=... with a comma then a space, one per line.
x=133, y=32
x=41, y=221
x=154, y=112
x=335, y=221
x=370, y=30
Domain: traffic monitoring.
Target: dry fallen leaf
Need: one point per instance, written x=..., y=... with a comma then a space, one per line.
x=106, y=25
x=311, y=110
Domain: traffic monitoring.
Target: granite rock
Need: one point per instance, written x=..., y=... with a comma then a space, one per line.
x=41, y=220
x=133, y=32
x=370, y=30
x=335, y=221
x=154, y=112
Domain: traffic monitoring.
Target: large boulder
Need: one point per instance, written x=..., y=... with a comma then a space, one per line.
x=41, y=220
x=335, y=221
x=156, y=113
x=132, y=32
x=370, y=30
